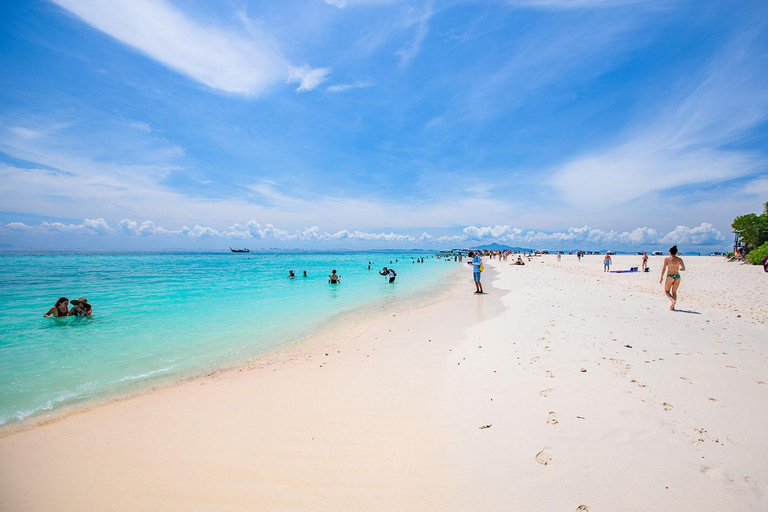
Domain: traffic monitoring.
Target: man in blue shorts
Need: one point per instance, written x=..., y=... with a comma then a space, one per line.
x=476, y=262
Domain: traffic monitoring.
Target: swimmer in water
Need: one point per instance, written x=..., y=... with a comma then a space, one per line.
x=291, y=275
x=82, y=308
x=61, y=308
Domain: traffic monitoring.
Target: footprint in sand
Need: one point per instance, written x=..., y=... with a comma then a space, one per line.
x=689, y=381
x=715, y=401
x=731, y=367
x=552, y=420
x=544, y=457
x=762, y=383
x=546, y=392
x=549, y=375
x=582, y=508
x=667, y=407
x=535, y=358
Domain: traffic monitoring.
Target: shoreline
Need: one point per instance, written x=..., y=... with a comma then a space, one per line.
x=339, y=323
x=595, y=395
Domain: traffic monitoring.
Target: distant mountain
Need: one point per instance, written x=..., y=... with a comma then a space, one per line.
x=499, y=247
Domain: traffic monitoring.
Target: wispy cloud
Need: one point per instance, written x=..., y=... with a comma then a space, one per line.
x=308, y=78
x=357, y=84
x=578, y=4
x=687, y=141
x=418, y=18
x=220, y=58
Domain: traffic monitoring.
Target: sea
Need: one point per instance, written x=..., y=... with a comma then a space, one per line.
x=159, y=317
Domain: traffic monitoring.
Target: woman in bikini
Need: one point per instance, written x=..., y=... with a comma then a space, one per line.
x=673, y=265
x=61, y=308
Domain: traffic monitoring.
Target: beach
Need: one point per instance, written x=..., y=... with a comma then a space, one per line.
x=591, y=393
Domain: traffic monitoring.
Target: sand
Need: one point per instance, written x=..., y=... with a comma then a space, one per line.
x=596, y=395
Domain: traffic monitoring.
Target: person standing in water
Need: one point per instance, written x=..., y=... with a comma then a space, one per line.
x=476, y=262
x=61, y=308
x=607, y=263
x=333, y=277
x=389, y=274
x=673, y=265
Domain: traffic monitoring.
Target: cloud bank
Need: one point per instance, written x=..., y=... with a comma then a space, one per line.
x=704, y=235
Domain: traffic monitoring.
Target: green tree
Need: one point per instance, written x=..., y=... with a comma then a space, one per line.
x=752, y=229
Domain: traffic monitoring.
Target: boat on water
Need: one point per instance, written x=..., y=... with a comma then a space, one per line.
x=239, y=250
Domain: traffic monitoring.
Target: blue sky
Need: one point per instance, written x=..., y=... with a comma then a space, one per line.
x=356, y=124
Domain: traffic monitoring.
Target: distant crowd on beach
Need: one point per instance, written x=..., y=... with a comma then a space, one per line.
x=671, y=268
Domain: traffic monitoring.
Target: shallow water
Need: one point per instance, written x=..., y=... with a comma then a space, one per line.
x=160, y=316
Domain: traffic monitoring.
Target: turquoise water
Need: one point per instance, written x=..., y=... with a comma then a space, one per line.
x=162, y=316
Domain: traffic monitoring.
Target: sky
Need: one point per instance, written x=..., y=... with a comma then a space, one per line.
x=374, y=124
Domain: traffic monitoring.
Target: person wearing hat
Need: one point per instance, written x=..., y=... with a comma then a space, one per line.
x=61, y=308
x=82, y=308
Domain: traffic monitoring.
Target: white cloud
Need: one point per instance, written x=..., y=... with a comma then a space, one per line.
x=219, y=58
x=18, y=226
x=87, y=227
x=705, y=234
x=358, y=84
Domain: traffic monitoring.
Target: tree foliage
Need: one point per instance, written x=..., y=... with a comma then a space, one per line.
x=756, y=256
x=752, y=228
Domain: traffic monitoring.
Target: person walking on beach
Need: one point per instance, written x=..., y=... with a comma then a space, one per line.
x=607, y=263
x=476, y=263
x=578, y=255
x=673, y=265
x=645, y=261
x=61, y=308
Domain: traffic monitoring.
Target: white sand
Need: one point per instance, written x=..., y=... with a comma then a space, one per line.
x=389, y=420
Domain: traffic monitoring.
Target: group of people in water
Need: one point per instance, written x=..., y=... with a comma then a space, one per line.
x=335, y=278
x=81, y=307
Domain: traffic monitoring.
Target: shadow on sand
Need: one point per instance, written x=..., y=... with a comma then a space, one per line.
x=686, y=311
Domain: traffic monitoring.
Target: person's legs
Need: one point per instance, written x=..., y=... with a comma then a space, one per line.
x=667, y=286
x=478, y=287
x=673, y=289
